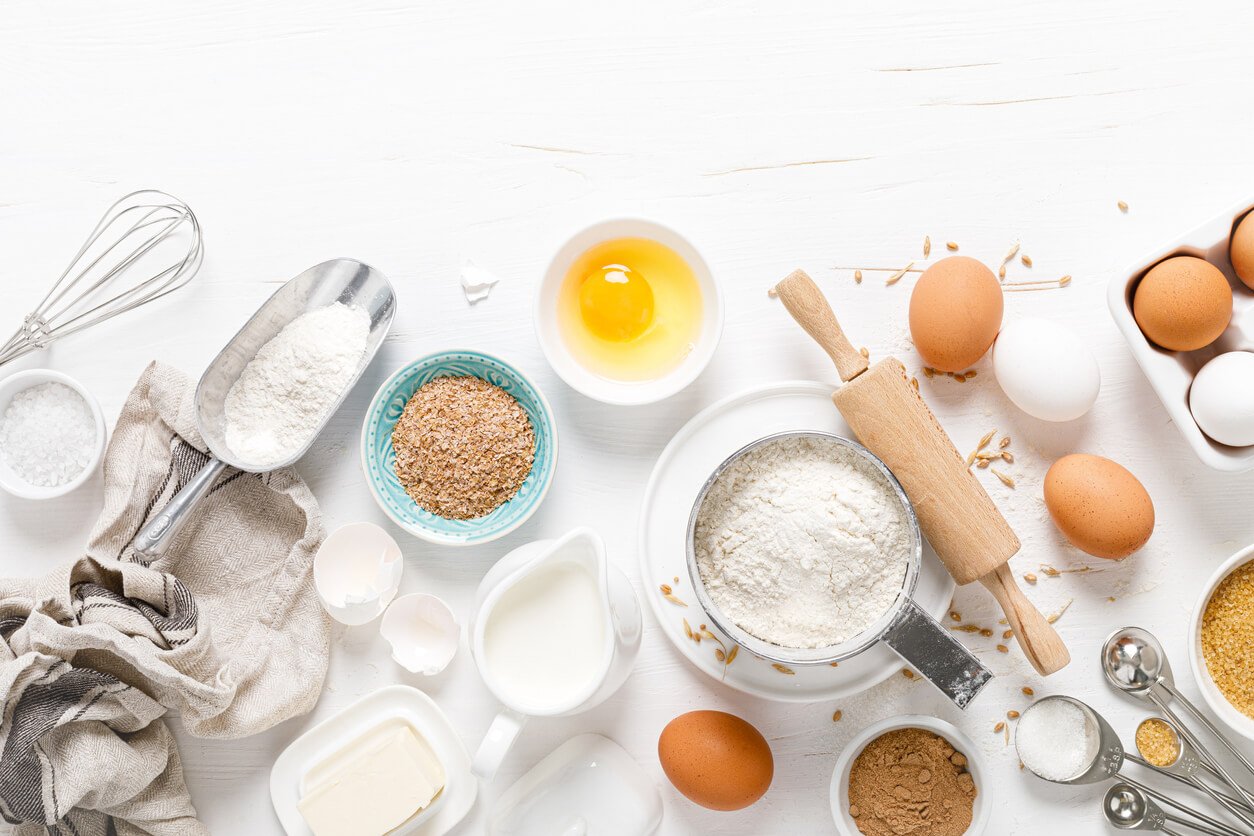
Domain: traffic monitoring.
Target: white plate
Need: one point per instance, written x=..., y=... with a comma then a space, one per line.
x=688, y=460
x=1171, y=372
x=387, y=705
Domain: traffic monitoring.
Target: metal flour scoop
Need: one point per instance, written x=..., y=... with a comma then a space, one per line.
x=341, y=280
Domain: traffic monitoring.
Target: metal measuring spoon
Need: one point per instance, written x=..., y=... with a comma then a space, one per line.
x=1106, y=761
x=1128, y=808
x=1186, y=767
x=1134, y=662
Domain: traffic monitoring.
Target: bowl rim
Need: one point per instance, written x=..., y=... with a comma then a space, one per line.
x=9, y=480
x=1214, y=698
x=838, y=786
x=421, y=532
x=627, y=393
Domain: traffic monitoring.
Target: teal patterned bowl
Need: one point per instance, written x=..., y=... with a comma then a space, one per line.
x=378, y=460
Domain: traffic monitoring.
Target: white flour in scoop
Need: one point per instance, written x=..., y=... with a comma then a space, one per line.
x=283, y=394
x=802, y=543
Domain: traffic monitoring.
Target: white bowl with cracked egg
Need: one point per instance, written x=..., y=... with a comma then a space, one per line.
x=624, y=392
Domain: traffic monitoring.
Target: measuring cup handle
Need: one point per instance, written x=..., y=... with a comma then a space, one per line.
x=496, y=743
x=154, y=538
x=934, y=652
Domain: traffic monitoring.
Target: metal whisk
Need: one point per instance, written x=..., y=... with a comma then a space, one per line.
x=147, y=244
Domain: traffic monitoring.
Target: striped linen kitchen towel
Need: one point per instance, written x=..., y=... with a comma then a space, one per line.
x=225, y=628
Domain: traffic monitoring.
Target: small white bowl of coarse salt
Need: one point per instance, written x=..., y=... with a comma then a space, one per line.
x=52, y=434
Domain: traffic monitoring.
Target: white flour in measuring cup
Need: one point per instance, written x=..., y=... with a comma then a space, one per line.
x=802, y=542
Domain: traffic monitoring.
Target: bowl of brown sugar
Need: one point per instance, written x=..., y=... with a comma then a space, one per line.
x=911, y=774
x=1221, y=643
x=459, y=447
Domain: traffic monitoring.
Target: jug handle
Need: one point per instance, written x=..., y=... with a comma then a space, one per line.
x=496, y=743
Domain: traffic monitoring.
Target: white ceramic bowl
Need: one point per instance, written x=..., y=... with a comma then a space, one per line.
x=620, y=392
x=1214, y=698
x=15, y=383
x=838, y=790
x=1171, y=373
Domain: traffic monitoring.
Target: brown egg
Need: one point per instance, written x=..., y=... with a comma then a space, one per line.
x=955, y=313
x=1241, y=250
x=1098, y=505
x=716, y=759
x=1183, y=303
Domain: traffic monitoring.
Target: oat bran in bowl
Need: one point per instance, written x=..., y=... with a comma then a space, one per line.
x=453, y=467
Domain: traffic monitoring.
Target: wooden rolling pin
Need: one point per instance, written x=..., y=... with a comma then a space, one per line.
x=969, y=534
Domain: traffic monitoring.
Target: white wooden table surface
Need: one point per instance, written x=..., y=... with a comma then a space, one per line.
x=776, y=135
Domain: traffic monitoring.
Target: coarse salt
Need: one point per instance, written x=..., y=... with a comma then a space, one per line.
x=47, y=435
x=1056, y=740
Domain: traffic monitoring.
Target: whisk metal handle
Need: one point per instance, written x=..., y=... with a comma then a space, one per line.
x=155, y=537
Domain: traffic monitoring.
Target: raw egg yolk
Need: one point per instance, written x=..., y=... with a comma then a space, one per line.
x=616, y=303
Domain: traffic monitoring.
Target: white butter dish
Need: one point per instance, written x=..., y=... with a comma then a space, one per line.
x=1171, y=373
x=588, y=786
x=309, y=759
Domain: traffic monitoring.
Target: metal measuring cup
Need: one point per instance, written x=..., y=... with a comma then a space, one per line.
x=1107, y=759
x=1128, y=808
x=1188, y=767
x=340, y=280
x=905, y=627
x=1134, y=662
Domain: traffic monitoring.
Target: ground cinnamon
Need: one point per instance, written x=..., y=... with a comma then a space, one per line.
x=911, y=782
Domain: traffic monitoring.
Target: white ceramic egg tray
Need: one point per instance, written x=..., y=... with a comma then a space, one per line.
x=1171, y=372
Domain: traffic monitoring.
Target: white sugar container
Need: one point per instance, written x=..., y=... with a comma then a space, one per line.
x=1171, y=373
x=11, y=480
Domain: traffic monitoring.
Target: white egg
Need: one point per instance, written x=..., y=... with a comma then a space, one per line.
x=1222, y=398
x=1046, y=369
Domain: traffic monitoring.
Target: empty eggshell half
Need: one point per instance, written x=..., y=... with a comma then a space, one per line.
x=357, y=572
x=422, y=632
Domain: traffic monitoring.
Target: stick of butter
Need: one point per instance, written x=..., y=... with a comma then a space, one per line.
x=375, y=790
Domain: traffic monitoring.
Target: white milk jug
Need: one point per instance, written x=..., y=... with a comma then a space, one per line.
x=555, y=631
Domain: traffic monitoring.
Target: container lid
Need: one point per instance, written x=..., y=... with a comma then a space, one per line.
x=588, y=786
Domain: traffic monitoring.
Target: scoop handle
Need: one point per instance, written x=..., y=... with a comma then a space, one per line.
x=803, y=299
x=156, y=536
